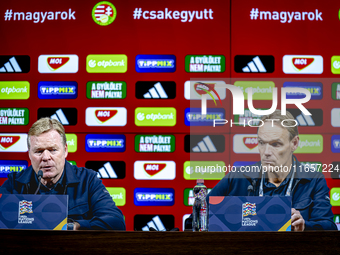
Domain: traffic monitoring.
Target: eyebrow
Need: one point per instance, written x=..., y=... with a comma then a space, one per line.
x=271, y=141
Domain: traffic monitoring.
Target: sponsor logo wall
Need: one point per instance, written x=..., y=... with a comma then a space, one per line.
x=131, y=105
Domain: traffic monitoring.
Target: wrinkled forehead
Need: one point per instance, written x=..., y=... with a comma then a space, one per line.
x=47, y=139
x=272, y=132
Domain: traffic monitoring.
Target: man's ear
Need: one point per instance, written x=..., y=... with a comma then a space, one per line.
x=66, y=150
x=295, y=143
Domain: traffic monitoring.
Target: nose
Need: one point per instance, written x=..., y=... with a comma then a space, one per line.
x=46, y=155
x=268, y=150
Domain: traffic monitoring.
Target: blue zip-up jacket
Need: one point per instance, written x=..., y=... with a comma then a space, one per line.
x=90, y=204
x=310, y=194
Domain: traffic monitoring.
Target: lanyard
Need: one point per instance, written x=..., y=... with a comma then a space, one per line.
x=289, y=189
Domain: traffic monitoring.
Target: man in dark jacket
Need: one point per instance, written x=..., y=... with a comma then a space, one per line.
x=279, y=173
x=90, y=206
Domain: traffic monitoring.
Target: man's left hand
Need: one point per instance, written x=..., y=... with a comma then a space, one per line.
x=298, y=223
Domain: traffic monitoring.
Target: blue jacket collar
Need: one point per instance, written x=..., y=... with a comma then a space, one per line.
x=26, y=175
x=300, y=172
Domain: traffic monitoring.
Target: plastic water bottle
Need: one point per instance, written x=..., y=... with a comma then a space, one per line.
x=200, y=208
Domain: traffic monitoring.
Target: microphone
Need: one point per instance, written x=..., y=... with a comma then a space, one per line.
x=40, y=175
x=250, y=189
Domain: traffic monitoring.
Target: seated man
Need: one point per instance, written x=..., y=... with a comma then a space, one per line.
x=90, y=206
x=279, y=173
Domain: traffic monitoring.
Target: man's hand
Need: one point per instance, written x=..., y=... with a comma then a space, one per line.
x=76, y=226
x=298, y=223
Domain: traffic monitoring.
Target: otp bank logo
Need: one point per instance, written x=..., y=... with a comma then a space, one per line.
x=106, y=116
x=58, y=63
x=154, y=170
x=11, y=166
x=106, y=63
x=155, y=63
x=105, y=143
x=154, y=196
x=245, y=143
x=13, y=142
x=155, y=116
x=302, y=64
x=57, y=90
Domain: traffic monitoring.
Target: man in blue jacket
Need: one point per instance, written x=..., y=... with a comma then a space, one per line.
x=279, y=173
x=90, y=205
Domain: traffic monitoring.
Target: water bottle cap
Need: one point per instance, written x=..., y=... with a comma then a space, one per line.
x=200, y=181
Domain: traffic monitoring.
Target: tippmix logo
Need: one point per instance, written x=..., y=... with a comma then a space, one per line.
x=14, y=142
x=315, y=89
x=12, y=166
x=154, y=196
x=58, y=63
x=154, y=170
x=105, y=143
x=335, y=143
x=57, y=90
x=194, y=117
x=302, y=64
x=104, y=13
x=155, y=63
x=106, y=116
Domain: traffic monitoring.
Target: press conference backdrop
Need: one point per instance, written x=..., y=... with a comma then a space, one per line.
x=116, y=74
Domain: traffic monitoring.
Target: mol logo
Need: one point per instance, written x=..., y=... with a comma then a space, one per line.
x=154, y=170
x=13, y=142
x=303, y=64
x=58, y=63
x=250, y=142
x=106, y=116
x=245, y=143
x=7, y=141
